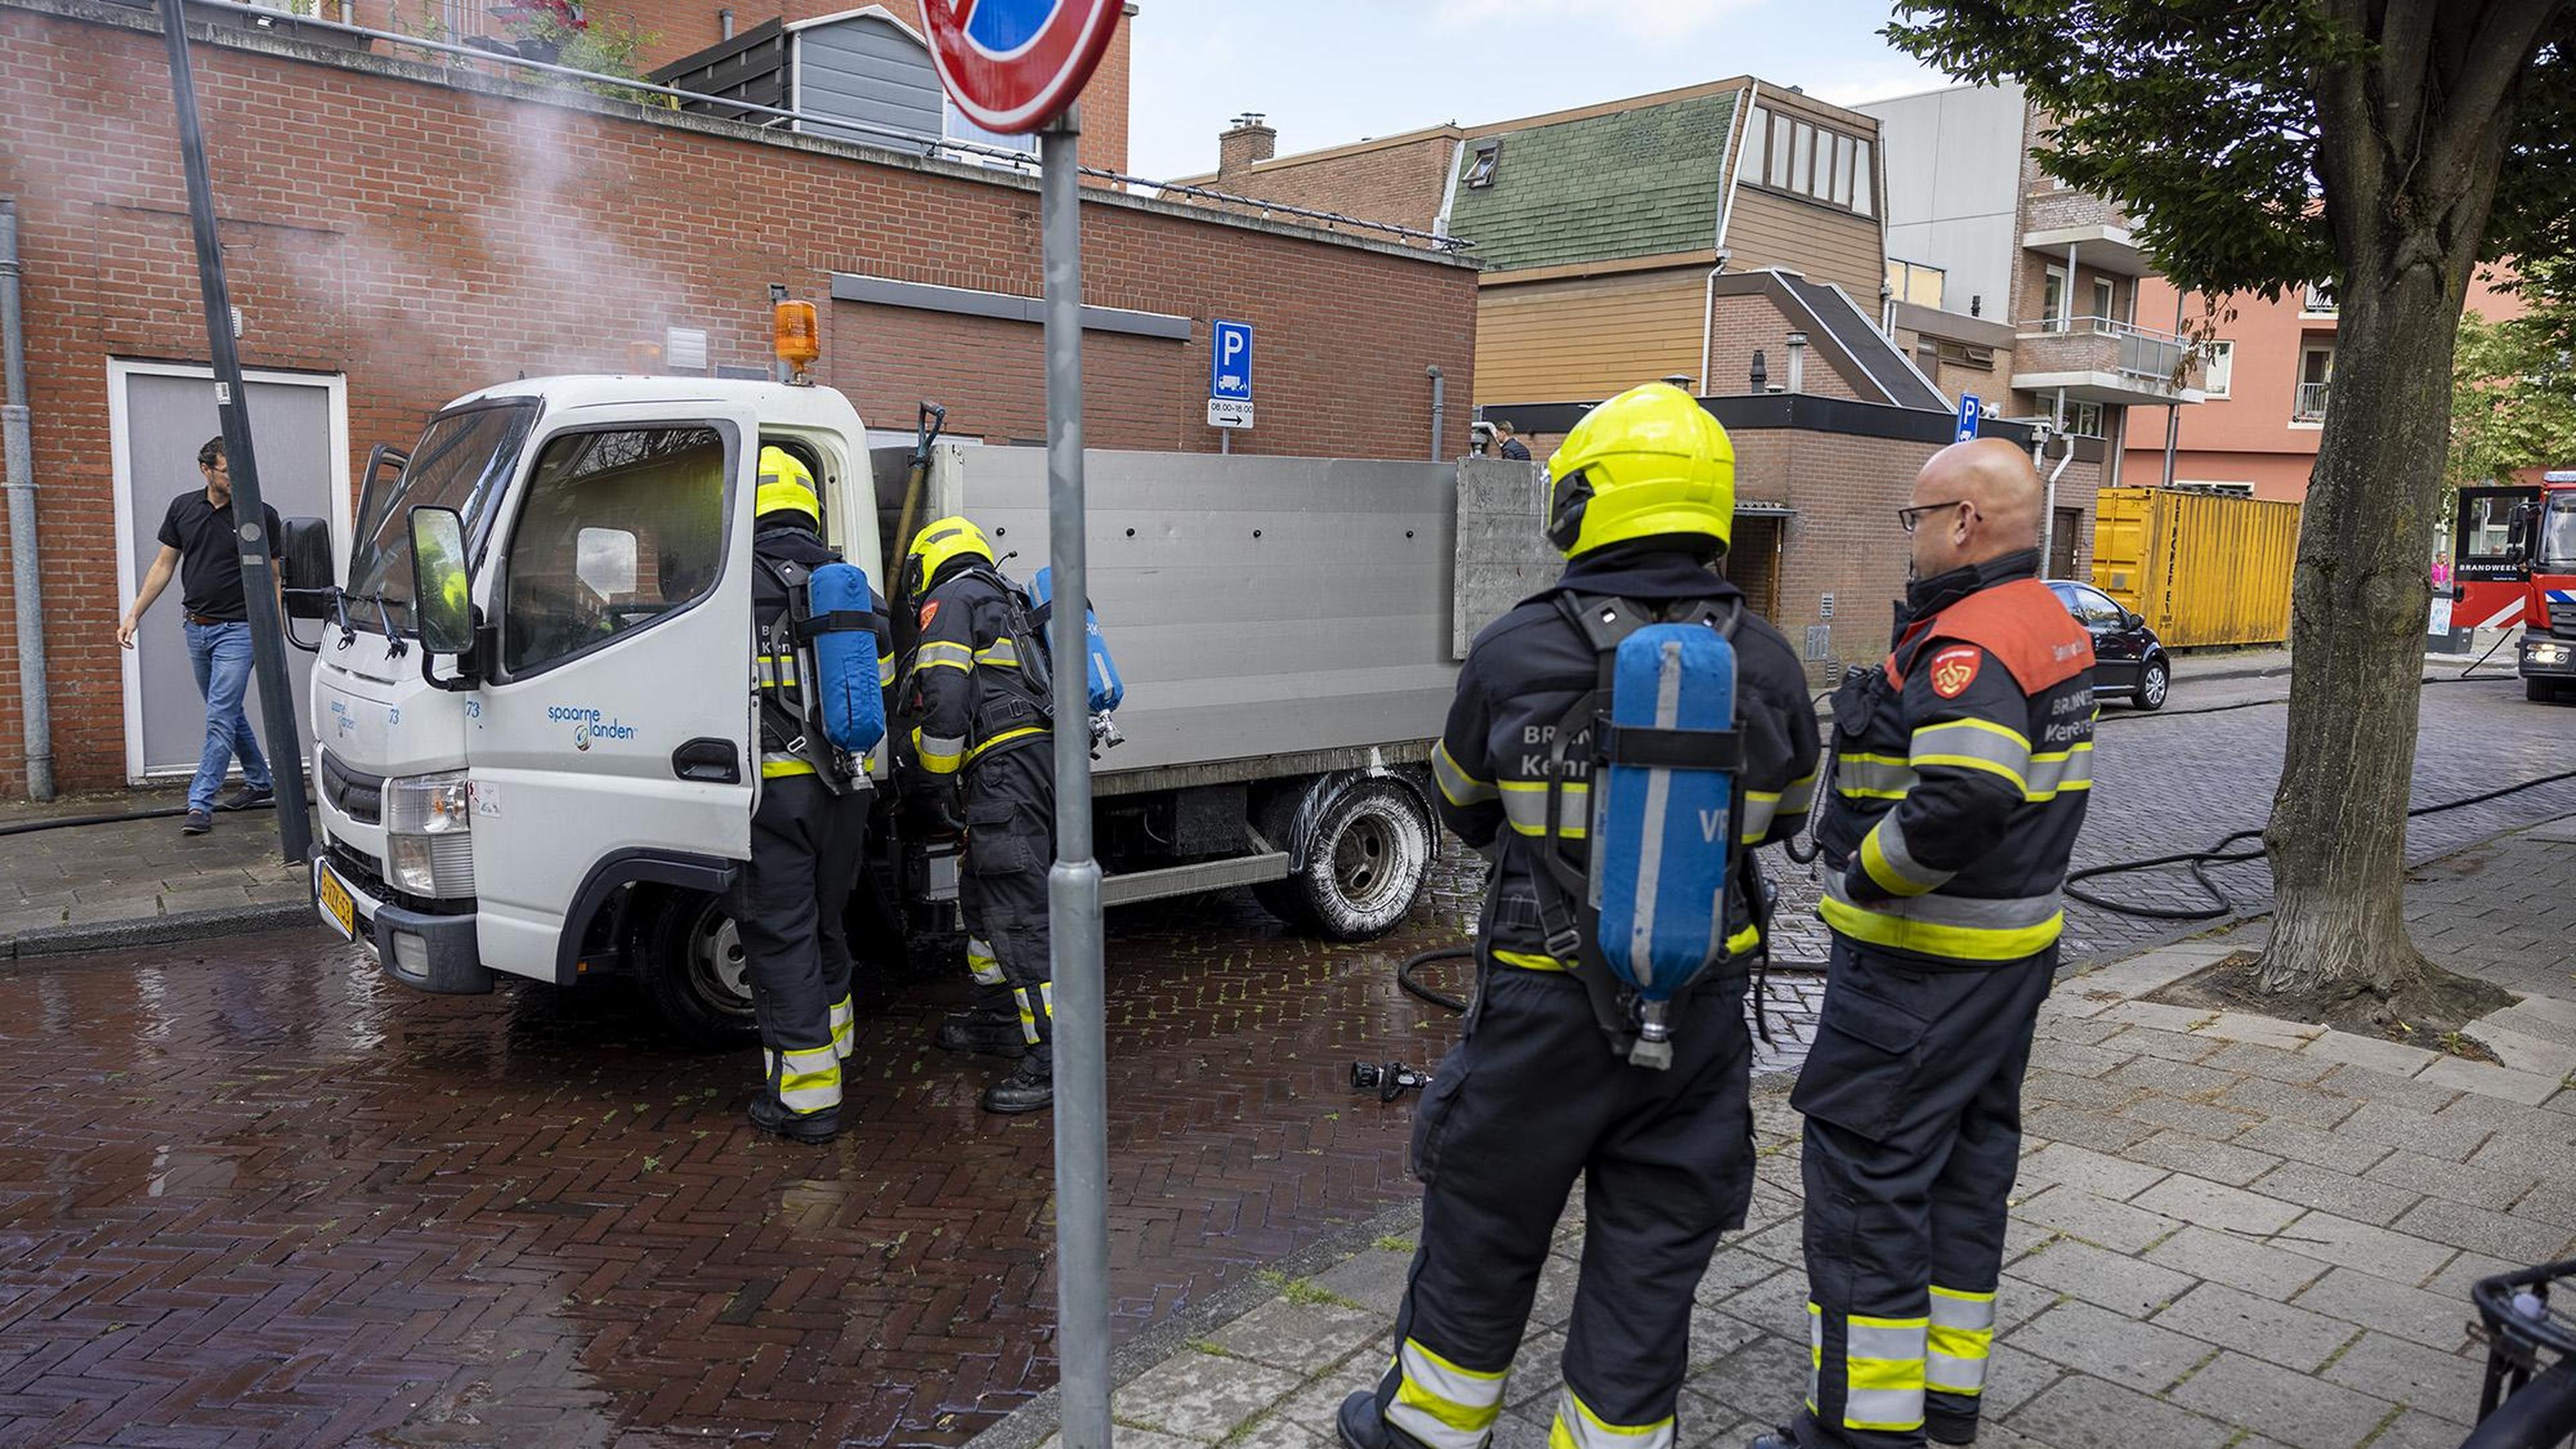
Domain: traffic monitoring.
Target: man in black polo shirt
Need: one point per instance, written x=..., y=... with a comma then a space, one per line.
x=199, y=543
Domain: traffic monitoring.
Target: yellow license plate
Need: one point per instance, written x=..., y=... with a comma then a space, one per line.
x=336, y=904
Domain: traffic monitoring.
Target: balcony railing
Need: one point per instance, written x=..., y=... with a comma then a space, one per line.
x=2318, y=300
x=2310, y=405
x=2140, y=352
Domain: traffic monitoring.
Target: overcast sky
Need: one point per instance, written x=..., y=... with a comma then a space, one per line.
x=1333, y=71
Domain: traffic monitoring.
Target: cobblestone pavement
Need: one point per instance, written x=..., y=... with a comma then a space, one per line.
x=2228, y=1230
x=251, y=1194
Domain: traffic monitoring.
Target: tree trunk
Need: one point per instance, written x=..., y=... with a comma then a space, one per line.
x=2359, y=602
x=2409, y=203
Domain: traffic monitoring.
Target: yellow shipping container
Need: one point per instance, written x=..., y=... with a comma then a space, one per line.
x=2203, y=568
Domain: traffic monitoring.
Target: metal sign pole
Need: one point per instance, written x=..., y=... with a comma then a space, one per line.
x=250, y=520
x=1073, y=886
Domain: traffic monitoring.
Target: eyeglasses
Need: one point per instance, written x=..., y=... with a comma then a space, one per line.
x=1907, y=518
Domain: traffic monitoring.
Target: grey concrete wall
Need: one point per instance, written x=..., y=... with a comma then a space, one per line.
x=1503, y=554
x=1954, y=187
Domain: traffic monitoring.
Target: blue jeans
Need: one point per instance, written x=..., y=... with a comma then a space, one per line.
x=221, y=655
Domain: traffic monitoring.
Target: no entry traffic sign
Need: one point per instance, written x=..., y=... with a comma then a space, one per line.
x=1012, y=65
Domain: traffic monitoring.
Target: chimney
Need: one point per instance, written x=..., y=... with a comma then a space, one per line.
x=1250, y=140
x=1797, y=362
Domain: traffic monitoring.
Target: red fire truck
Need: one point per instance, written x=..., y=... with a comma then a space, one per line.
x=2514, y=562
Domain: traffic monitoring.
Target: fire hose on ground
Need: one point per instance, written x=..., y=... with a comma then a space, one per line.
x=1390, y=1080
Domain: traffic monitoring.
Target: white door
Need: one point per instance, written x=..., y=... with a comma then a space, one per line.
x=618, y=717
x=159, y=414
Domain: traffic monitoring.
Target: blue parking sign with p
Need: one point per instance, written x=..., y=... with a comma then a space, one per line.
x=1969, y=410
x=1230, y=361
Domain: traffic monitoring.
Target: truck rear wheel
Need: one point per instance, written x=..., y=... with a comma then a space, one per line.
x=691, y=967
x=1367, y=848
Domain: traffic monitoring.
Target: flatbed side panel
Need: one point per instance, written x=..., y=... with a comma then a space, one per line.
x=1258, y=606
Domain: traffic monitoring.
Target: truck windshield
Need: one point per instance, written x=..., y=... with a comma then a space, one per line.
x=463, y=461
x=2557, y=551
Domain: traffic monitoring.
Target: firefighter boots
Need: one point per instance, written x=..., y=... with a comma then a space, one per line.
x=1029, y=1088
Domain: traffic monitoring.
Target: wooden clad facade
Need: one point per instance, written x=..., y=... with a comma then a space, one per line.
x=1587, y=337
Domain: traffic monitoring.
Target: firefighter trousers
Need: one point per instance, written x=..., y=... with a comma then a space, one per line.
x=1010, y=845
x=1531, y=1098
x=807, y=845
x=1912, y=1098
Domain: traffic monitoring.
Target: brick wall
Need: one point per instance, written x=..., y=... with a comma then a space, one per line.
x=1739, y=325
x=1402, y=182
x=426, y=239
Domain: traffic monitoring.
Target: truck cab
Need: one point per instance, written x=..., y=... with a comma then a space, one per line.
x=511, y=807
x=2547, y=654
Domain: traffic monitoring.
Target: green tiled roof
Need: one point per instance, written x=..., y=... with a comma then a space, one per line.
x=1627, y=184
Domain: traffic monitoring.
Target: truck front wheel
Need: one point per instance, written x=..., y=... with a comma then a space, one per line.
x=2540, y=691
x=691, y=966
x=1367, y=849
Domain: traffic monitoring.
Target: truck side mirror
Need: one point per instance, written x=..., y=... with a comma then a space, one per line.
x=442, y=591
x=304, y=559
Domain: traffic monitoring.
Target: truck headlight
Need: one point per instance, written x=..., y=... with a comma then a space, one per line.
x=2548, y=653
x=428, y=848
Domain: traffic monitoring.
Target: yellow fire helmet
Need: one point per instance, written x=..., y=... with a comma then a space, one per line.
x=786, y=486
x=1648, y=462
x=939, y=541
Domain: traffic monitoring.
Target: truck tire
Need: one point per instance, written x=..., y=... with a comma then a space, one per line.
x=1367, y=844
x=690, y=965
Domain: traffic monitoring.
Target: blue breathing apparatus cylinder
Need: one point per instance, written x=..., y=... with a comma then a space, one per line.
x=1663, y=829
x=841, y=617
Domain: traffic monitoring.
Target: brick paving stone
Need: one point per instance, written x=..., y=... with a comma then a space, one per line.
x=2444, y=1385
x=1315, y=1403
x=1272, y=1431
x=2492, y=1081
x=1777, y=1304
x=2057, y=1089
x=2097, y=1220
x=2166, y=1045
x=1732, y=1270
x=2073, y=1059
x=2476, y=1228
x=1374, y=1280
x=2095, y=1172
x=2239, y=1320
x=2391, y=1089
x=2328, y=1238
x=2266, y=1061
x=2393, y=1058
x=2217, y=1161
x=2454, y=1181
x=2113, y=1280
x=1305, y=1337
x=2309, y=1185
x=2201, y=1119
x=2435, y=1320
x=2518, y=1050
x=2271, y=1031
x=2462, y=1273
x=2081, y=1411
x=1201, y=1396
x=2178, y=1020
x=2053, y=1027
x=1716, y=1334
x=2298, y=1410
x=2216, y=1205
x=2014, y=1377
x=2415, y=1429
x=2096, y=1340
x=1762, y=1380
x=2098, y=1130
x=2228, y=1258
x=1538, y=1373
x=2290, y=1102
x=2453, y=1139
x=2343, y=1153
x=2192, y=1082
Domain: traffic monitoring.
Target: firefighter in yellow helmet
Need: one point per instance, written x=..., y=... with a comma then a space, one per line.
x=979, y=730
x=1537, y=1094
x=809, y=831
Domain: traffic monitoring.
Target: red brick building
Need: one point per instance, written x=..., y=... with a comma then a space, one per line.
x=399, y=233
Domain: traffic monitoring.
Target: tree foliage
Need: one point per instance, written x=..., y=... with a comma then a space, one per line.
x=2202, y=117
x=2513, y=389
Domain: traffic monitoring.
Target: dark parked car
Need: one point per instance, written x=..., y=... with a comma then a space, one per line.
x=2128, y=658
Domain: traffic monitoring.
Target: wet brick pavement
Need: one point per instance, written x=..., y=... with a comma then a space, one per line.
x=249, y=1193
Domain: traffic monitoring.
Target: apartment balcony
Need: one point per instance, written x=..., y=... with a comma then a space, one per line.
x=2098, y=360
x=2310, y=404
x=2098, y=229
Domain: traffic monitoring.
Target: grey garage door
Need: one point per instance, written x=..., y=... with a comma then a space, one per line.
x=167, y=418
